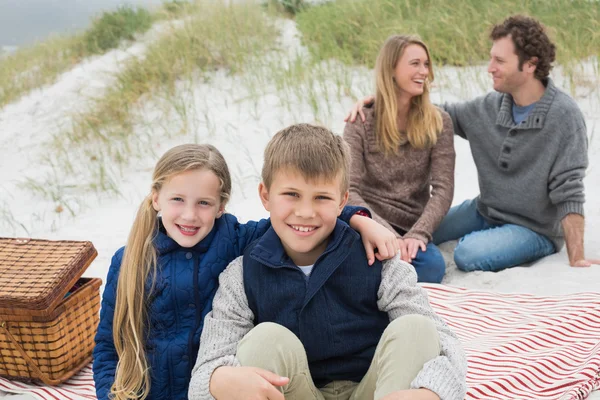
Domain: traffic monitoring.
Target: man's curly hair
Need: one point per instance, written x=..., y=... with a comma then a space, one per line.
x=530, y=40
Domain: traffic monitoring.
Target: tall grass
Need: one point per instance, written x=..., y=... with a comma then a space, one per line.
x=111, y=132
x=40, y=64
x=457, y=32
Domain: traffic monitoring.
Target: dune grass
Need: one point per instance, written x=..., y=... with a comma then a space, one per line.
x=40, y=64
x=110, y=133
x=352, y=31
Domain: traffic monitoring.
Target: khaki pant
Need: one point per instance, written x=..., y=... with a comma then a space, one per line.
x=405, y=346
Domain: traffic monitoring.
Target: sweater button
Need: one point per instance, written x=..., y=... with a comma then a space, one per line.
x=188, y=255
x=185, y=358
x=506, y=149
x=191, y=305
x=504, y=164
x=513, y=133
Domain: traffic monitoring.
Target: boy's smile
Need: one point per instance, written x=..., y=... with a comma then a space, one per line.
x=303, y=213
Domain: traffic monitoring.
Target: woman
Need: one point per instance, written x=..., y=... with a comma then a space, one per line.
x=403, y=154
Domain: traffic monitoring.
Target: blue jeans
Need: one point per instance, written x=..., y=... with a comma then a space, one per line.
x=429, y=264
x=488, y=247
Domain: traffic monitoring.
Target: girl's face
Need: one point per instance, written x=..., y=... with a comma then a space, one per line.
x=189, y=203
x=411, y=71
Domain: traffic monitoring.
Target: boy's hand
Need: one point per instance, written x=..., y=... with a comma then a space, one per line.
x=375, y=236
x=232, y=383
x=357, y=109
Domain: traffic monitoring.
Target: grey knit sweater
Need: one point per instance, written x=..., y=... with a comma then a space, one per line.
x=530, y=174
x=398, y=295
x=411, y=189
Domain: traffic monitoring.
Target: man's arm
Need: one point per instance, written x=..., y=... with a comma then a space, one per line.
x=573, y=227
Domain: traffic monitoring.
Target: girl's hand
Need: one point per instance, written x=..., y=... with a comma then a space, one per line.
x=375, y=236
x=412, y=247
x=357, y=109
x=231, y=383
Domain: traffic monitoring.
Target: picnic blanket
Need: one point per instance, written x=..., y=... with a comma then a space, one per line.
x=519, y=346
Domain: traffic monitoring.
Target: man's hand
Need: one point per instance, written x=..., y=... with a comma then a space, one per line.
x=585, y=263
x=232, y=383
x=357, y=109
x=375, y=236
x=412, y=394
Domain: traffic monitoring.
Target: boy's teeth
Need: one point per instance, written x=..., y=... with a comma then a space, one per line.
x=303, y=228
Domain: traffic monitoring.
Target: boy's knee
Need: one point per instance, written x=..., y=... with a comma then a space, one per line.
x=410, y=325
x=433, y=266
x=268, y=339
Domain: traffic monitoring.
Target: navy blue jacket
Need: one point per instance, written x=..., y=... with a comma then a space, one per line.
x=334, y=313
x=186, y=282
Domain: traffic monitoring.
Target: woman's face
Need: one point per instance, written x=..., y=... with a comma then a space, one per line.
x=411, y=71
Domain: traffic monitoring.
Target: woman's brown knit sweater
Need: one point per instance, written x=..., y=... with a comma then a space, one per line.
x=411, y=190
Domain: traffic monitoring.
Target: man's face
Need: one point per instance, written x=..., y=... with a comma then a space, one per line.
x=303, y=213
x=504, y=67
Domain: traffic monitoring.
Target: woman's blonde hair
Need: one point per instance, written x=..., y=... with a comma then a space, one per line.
x=424, y=119
x=132, y=378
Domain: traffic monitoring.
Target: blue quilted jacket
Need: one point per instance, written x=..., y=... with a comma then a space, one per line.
x=186, y=282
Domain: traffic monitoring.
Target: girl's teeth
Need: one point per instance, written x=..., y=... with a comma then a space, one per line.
x=187, y=229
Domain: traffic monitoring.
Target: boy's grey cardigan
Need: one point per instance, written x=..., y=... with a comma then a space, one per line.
x=530, y=174
x=398, y=295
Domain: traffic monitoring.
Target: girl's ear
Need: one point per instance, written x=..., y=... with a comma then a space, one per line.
x=155, y=204
x=221, y=210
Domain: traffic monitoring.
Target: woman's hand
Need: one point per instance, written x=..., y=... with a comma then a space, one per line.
x=375, y=236
x=413, y=246
x=357, y=109
x=230, y=383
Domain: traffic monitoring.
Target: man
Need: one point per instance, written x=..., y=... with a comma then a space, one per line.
x=529, y=144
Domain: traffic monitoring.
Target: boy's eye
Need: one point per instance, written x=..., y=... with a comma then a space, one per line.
x=323, y=198
x=293, y=194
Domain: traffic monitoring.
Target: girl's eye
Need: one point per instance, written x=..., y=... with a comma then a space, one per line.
x=177, y=199
x=204, y=203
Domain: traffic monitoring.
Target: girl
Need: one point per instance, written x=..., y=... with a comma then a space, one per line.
x=403, y=155
x=161, y=285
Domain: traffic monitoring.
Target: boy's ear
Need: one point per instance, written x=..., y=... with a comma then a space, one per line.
x=263, y=192
x=155, y=201
x=343, y=202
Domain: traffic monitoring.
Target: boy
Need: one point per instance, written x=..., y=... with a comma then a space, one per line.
x=301, y=314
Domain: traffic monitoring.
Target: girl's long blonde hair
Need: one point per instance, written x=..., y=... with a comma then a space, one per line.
x=132, y=378
x=424, y=120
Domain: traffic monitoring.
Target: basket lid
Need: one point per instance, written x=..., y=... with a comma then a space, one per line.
x=36, y=274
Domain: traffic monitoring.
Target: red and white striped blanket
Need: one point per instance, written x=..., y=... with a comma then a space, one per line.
x=519, y=346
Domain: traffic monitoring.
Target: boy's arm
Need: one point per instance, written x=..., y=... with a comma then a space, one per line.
x=105, y=354
x=400, y=295
x=224, y=327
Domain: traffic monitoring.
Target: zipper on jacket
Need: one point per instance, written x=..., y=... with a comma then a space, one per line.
x=191, y=359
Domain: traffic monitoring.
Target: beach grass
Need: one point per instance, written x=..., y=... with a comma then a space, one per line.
x=352, y=31
x=40, y=64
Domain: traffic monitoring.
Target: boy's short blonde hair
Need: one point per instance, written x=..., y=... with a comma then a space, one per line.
x=314, y=151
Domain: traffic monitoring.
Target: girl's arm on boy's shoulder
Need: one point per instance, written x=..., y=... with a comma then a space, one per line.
x=230, y=319
x=400, y=295
x=105, y=354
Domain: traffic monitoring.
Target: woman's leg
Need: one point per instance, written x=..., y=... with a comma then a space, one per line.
x=429, y=264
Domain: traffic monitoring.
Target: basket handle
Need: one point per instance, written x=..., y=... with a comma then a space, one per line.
x=43, y=377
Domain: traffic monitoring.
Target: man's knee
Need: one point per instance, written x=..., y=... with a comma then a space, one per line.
x=467, y=258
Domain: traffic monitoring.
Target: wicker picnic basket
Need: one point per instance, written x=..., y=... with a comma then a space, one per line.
x=48, y=313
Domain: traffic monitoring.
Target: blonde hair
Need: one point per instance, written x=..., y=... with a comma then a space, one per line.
x=132, y=378
x=314, y=151
x=424, y=120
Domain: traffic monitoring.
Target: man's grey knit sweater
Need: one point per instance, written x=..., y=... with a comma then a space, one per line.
x=530, y=174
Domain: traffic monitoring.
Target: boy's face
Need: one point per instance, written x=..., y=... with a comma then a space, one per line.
x=303, y=213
